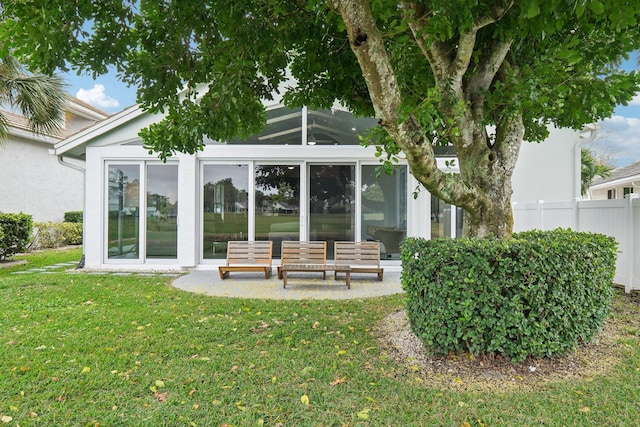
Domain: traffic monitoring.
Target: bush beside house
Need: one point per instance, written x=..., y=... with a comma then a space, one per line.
x=538, y=294
x=15, y=231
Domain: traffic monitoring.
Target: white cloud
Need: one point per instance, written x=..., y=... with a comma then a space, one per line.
x=96, y=97
x=635, y=100
x=621, y=136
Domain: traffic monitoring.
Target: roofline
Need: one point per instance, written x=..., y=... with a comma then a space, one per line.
x=616, y=182
x=85, y=110
x=100, y=128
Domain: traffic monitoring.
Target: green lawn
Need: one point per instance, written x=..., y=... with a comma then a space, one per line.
x=81, y=349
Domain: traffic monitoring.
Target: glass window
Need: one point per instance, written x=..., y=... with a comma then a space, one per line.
x=277, y=204
x=384, y=208
x=442, y=218
x=162, y=211
x=336, y=127
x=225, y=197
x=331, y=203
x=284, y=127
x=123, y=234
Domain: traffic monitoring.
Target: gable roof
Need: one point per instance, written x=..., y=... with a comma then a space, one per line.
x=628, y=173
x=19, y=125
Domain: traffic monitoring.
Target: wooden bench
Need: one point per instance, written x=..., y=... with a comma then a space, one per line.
x=362, y=257
x=302, y=256
x=248, y=256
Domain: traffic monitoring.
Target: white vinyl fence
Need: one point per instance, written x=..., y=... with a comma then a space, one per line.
x=617, y=218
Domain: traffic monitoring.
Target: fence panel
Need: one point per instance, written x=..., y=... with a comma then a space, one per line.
x=617, y=218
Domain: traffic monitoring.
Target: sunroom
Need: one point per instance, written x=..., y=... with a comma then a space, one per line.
x=305, y=177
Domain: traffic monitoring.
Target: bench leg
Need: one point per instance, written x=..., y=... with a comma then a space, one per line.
x=380, y=276
x=267, y=273
x=348, y=273
x=223, y=275
x=284, y=279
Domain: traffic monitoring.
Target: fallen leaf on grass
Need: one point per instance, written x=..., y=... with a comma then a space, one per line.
x=585, y=409
x=304, y=399
x=160, y=397
x=6, y=419
x=338, y=381
x=364, y=414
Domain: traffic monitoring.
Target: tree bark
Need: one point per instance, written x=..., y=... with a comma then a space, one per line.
x=483, y=187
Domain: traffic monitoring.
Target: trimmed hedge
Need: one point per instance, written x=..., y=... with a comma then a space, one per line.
x=49, y=235
x=535, y=295
x=73, y=216
x=15, y=231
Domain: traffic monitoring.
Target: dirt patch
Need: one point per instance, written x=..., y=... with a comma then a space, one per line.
x=497, y=373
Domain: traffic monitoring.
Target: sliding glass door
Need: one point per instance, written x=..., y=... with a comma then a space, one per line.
x=277, y=204
x=225, y=196
x=332, y=203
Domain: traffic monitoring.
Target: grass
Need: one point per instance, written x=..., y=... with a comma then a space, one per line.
x=80, y=349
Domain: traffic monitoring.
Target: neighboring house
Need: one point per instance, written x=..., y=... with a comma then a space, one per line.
x=32, y=180
x=622, y=181
x=305, y=177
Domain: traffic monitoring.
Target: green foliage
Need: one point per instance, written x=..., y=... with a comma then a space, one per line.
x=15, y=230
x=590, y=168
x=73, y=216
x=54, y=235
x=538, y=294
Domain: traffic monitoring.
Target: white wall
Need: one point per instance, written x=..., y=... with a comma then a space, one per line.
x=548, y=170
x=33, y=182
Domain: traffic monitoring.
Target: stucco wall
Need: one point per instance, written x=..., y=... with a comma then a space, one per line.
x=33, y=182
x=548, y=170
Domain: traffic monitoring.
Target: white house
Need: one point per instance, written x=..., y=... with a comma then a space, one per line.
x=305, y=177
x=33, y=181
x=621, y=182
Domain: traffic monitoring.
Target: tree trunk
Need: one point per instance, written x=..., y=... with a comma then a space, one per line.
x=483, y=187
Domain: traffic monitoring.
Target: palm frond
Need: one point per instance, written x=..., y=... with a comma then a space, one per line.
x=41, y=99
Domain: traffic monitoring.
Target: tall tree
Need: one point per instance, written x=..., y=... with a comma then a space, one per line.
x=40, y=98
x=431, y=72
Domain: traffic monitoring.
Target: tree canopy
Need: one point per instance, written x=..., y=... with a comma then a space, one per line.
x=431, y=72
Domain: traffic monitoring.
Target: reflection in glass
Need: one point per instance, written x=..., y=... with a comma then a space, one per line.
x=124, y=206
x=331, y=204
x=336, y=127
x=384, y=208
x=440, y=218
x=284, y=127
x=162, y=211
x=277, y=204
x=224, y=207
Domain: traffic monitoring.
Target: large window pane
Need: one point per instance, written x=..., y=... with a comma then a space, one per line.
x=162, y=211
x=277, y=204
x=124, y=212
x=331, y=203
x=225, y=207
x=384, y=208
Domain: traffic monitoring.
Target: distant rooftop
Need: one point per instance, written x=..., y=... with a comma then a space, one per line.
x=629, y=171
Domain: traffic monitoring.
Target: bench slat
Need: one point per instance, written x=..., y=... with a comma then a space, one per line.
x=248, y=256
x=362, y=257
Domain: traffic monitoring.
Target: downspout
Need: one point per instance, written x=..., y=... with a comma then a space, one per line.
x=84, y=200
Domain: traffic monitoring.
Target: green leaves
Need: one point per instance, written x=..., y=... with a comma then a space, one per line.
x=536, y=295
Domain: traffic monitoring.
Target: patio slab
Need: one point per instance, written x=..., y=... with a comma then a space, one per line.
x=299, y=285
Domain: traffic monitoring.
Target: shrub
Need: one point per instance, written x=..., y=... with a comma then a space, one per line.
x=15, y=233
x=73, y=216
x=53, y=235
x=538, y=294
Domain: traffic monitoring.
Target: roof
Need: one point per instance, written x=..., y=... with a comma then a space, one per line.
x=18, y=124
x=630, y=172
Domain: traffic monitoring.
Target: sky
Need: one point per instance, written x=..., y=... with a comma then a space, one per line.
x=617, y=141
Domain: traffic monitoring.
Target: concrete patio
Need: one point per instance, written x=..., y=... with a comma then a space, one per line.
x=299, y=285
